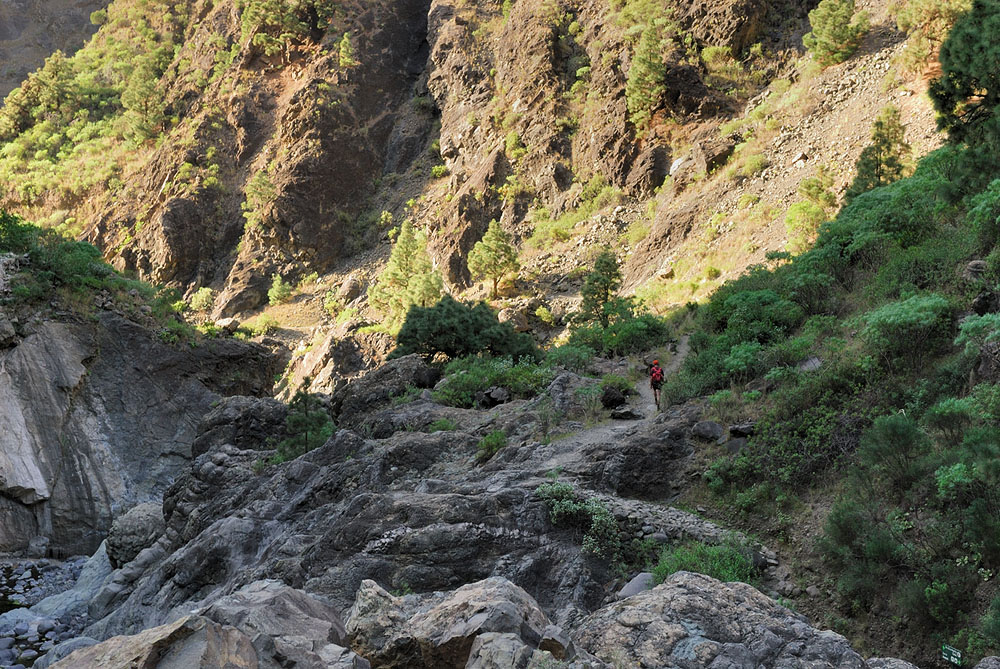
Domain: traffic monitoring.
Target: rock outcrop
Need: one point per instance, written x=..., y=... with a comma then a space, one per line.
x=97, y=417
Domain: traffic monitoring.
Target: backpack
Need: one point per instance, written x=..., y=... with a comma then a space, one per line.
x=656, y=374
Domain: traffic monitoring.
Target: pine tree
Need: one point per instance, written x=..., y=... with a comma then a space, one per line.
x=645, y=85
x=836, y=31
x=493, y=256
x=884, y=160
x=968, y=91
x=409, y=277
x=308, y=425
x=599, y=289
x=347, y=52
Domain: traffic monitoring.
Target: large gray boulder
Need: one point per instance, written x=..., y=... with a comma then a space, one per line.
x=286, y=626
x=440, y=631
x=693, y=621
x=134, y=531
x=352, y=401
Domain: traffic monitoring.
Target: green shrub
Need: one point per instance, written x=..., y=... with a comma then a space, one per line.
x=262, y=325
x=280, y=290
x=439, y=425
x=907, y=330
x=467, y=376
x=490, y=445
x=895, y=448
x=884, y=160
x=457, y=329
x=726, y=562
x=602, y=536
x=574, y=358
x=984, y=217
x=202, y=299
x=836, y=31
x=618, y=382
x=439, y=171
x=802, y=221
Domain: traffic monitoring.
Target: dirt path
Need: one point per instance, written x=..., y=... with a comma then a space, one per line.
x=566, y=451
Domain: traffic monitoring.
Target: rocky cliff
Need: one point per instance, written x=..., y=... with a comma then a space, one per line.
x=31, y=30
x=96, y=416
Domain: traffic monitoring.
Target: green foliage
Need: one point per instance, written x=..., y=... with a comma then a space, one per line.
x=908, y=330
x=599, y=289
x=260, y=193
x=802, y=222
x=493, y=256
x=307, y=426
x=968, y=91
x=836, y=31
x=601, y=535
x=645, y=85
x=467, y=376
x=409, y=279
x=490, y=445
x=884, y=160
x=441, y=424
x=977, y=331
x=984, y=217
x=280, y=291
x=346, y=52
x=203, y=299
x=571, y=357
x=727, y=562
x=457, y=329
x=276, y=26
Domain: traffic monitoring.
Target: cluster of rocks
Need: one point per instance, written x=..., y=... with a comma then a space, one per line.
x=27, y=582
x=25, y=635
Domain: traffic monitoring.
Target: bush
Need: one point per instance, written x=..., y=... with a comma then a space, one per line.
x=907, y=330
x=457, y=329
x=894, y=448
x=439, y=425
x=467, y=376
x=801, y=223
x=203, y=299
x=490, y=445
x=568, y=356
x=726, y=562
x=566, y=508
x=280, y=290
x=836, y=31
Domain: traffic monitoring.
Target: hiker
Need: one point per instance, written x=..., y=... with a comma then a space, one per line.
x=656, y=380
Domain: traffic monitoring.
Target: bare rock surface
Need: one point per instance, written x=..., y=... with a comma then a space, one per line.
x=693, y=621
x=91, y=426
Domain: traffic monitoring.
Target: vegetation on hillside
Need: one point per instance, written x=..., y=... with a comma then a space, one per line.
x=881, y=304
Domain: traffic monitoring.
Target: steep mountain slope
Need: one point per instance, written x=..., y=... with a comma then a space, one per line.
x=31, y=30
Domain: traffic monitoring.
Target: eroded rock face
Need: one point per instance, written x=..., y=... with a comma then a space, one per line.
x=98, y=417
x=692, y=621
x=440, y=631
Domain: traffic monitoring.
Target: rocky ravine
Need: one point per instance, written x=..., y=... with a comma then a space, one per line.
x=294, y=563
x=98, y=415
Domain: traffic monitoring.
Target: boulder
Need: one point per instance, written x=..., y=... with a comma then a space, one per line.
x=991, y=662
x=286, y=625
x=63, y=649
x=893, y=663
x=640, y=583
x=192, y=642
x=612, y=397
x=693, y=621
x=353, y=401
x=74, y=601
x=708, y=430
x=244, y=422
x=134, y=531
x=443, y=634
x=352, y=288
x=516, y=318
